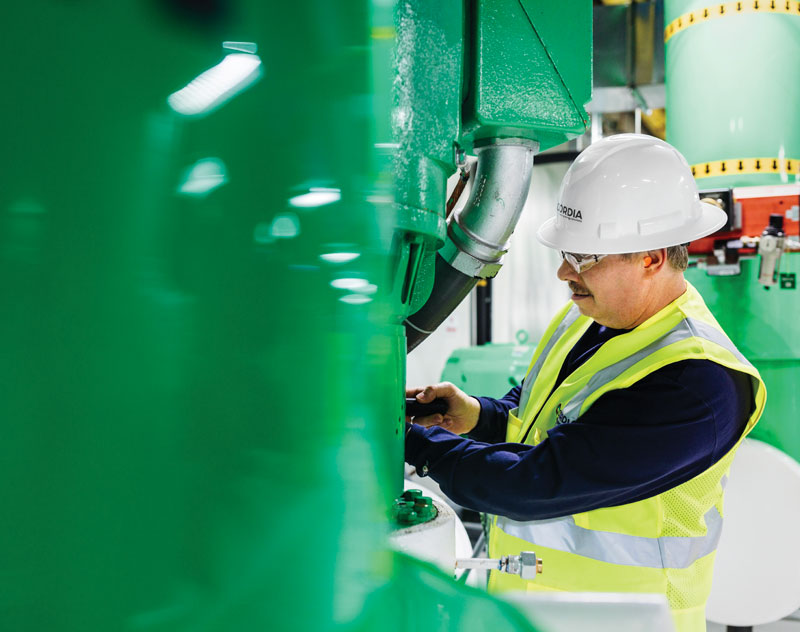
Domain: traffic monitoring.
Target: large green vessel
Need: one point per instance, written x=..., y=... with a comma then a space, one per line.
x=210, y=239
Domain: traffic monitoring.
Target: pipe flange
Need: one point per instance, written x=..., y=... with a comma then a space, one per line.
x=468, y=264
x=516, y=141
x=469, y=242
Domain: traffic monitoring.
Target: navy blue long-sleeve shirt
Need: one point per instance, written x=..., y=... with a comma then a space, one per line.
x=631, y=443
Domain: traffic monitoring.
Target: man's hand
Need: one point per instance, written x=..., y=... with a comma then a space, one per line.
x=462, y=410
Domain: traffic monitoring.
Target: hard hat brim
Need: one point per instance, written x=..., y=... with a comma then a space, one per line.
x=711, y=218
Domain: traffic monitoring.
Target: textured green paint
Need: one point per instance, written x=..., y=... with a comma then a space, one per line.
x=763, y=325
x=565, y=30
x=489, y=370
x=198, y=433
x=426, y=119
x=732, y=90
x=462, y=78
x=517, y=86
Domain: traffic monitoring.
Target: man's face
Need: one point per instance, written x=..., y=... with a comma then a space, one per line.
x=614, y=292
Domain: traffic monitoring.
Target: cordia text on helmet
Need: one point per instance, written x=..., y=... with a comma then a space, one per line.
x=570, y=213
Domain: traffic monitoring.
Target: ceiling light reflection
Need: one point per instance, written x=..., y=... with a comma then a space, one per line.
x=285, y=226
x=262, y=234
x=369, y=288
x=355, y=299
x=216, y=86
x=340, y=257
x=203, y=177
x=317, y=196
x=349, y=283
x=244, y=47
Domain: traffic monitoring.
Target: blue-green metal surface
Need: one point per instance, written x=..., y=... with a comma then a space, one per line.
x=490, y=370
x=426, y=119
x=763, y=325
x=731, y=89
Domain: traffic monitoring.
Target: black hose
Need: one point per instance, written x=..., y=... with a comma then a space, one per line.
x=450, y=287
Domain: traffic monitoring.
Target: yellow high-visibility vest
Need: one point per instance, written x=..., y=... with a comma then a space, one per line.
x=663, y=544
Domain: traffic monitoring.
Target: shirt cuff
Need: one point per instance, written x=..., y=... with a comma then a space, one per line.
x=414, y=445
x=483, y=430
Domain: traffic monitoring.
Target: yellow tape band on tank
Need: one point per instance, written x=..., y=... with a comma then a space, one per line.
x=736, y=166
x=683, y=22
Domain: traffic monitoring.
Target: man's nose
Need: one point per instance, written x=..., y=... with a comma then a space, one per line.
x=566, y=273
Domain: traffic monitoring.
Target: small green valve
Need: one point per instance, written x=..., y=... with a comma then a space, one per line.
x=412, y=508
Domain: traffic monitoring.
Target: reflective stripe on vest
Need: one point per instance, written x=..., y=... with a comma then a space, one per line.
x=562, y=534
x=527, y=386
x=686, y=328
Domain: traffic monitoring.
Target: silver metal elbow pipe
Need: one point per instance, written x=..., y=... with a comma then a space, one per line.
x=477, y=235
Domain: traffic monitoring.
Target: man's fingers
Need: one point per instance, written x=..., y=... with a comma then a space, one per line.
x=429, y=420
x=436, y=391
x=412, y=392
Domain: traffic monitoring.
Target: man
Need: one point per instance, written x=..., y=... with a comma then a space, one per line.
x=610, y=460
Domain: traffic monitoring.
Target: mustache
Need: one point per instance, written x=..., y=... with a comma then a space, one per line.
x=576, y=288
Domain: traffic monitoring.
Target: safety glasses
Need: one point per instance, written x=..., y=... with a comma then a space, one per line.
x=581, y=263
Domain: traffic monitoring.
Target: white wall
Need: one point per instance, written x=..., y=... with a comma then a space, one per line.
x=426, y=362
x=526, y=292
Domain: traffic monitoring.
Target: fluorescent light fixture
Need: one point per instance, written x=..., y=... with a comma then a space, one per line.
x=349, y=283
x=203, y=177
x=355, y=299
x=217, y=85
x=316, y=196
x=340, y=257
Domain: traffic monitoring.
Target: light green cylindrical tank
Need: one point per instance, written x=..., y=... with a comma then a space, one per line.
x=732, y=93
x=763, y=324
x=491, y=369
x=733, y=88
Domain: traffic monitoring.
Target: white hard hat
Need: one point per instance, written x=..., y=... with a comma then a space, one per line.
x=628, y=193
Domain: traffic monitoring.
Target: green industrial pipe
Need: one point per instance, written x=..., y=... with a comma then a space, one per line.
x=732, y=90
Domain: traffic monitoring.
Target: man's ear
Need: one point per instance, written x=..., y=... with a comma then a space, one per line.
x=654, y=259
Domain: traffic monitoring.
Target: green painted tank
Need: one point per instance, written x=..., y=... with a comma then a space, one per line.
x=732, y=90
x=183, y=220
x=763, y=324
x=489, y=370
x=202, y=367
